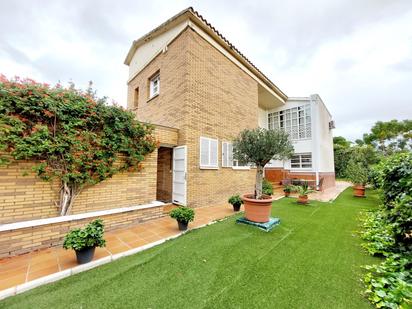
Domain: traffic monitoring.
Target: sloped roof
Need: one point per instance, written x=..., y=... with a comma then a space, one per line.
x=199, y=20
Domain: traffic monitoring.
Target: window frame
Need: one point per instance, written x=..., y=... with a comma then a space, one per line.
x=209, y=166
x=231, y=163
x=135, y=98
x=152, y=79
x=296, y=121
x=301, y=163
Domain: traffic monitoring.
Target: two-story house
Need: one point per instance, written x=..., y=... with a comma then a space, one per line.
x=186, y=76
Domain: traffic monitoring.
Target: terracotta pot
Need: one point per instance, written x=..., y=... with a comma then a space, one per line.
x=287, y=194
x=359, y=191
x=257, y=210
x=303, y=199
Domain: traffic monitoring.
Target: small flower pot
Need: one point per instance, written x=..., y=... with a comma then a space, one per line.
x=303, y=199
x=358, y=191
x=85, y=255
x=257, y=210
x=287, y=194
x=182, y=225
x=236, y=207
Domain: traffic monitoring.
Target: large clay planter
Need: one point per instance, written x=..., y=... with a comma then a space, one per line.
x=303, y=199
x=257, y=210
x=359, y=191
x=286, y=193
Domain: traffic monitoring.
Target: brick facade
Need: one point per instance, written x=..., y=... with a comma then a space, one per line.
x=28, y=197
x=202, y=93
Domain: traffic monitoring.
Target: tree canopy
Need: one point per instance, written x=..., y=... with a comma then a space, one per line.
x=390, y=136
x=259, y=146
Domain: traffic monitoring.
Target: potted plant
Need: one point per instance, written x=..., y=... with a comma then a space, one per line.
x=259, y=146
x=357, y=173
x=183, y=216
x=236, y=202
x=84, y=241
x=287, y=190
x=303, y=190
x=267, y=187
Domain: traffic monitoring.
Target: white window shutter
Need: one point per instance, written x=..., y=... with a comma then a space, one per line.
x=224, y=154
x=204, y=151
x=213, y=153
x=230, y=154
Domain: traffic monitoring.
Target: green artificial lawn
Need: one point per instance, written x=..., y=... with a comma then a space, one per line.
x=311, y=260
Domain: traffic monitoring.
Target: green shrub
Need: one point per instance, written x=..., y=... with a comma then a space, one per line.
x=267, y=187
x=357, y=173
x=90, y=236
x=303, y=189
x=235, y=200
x=183, y=214
x=395, y=177
x=377, y=233
x=389, y=232
x=389, y=284
x=288, y=189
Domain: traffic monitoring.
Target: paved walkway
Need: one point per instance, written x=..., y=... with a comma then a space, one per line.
x=34, y=265
x=25, y=268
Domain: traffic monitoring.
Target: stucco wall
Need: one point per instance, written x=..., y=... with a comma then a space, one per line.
x=326, y=160
x=145, y=53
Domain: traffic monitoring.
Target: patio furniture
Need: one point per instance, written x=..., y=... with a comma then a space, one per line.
x=298, y=182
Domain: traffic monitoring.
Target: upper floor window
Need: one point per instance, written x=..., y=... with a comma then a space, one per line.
x=135, y=98
x=208, y=153
x=301, y=160
x=295, y=121
x=227, y=157
x=154, y=86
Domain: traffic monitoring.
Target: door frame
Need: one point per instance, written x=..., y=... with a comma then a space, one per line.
x=185, y=176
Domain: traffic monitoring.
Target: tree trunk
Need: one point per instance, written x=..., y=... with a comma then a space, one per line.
x=67, y=195
x=259, y=182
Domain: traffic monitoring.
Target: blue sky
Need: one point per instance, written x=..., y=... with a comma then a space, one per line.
x=357, y=55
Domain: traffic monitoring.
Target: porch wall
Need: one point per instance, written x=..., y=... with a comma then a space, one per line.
x=28, y=197
x=276, y=175
x=20, y=241
x=25, y=198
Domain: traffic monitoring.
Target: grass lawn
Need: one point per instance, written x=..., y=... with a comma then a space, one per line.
x=311, y=260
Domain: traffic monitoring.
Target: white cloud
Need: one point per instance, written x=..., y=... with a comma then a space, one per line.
x=355, y=54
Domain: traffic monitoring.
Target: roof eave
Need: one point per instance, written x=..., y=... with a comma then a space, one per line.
x=198, y=19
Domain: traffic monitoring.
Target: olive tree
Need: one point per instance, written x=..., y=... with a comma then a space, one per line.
x=259, y=146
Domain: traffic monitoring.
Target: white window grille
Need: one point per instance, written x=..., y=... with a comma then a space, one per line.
x=301, y=161
x=295, y=121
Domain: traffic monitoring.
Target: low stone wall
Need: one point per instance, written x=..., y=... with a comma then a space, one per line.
x=19, y=241
x=276, y=175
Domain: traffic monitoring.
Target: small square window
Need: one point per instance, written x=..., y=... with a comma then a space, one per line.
x=154, y=86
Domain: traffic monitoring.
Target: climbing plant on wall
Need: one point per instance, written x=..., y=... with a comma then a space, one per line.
x=70, y=134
